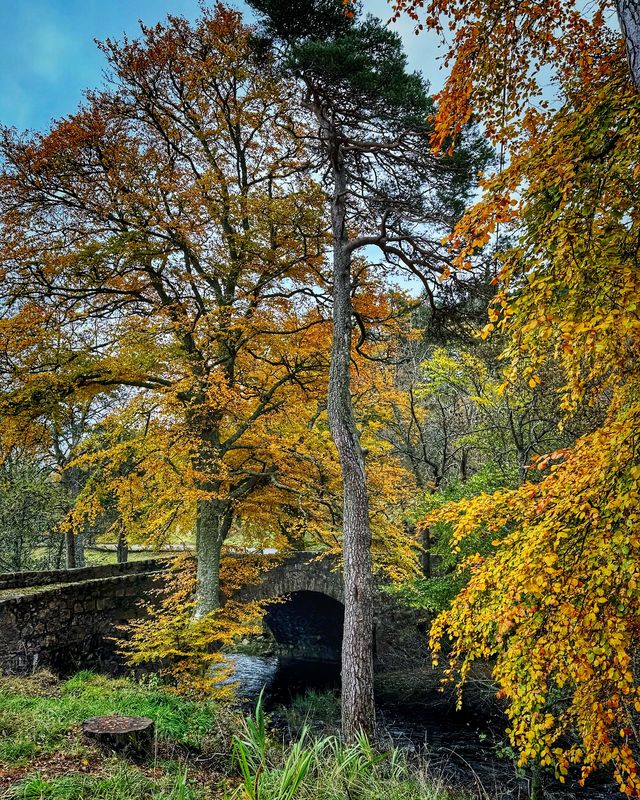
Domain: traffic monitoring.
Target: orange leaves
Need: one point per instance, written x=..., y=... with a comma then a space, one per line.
x=498, y=50
x=348, y=11
x=175, y=251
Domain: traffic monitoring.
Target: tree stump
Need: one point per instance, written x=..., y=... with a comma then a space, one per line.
x=131, y=737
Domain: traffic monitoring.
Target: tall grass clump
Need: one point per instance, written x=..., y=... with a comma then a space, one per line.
x=326, y=769
x=263, y=779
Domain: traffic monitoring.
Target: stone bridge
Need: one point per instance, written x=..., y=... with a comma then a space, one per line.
x=67, y=619
x=307, y=615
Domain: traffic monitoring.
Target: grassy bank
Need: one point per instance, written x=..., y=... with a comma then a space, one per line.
x=203, y=751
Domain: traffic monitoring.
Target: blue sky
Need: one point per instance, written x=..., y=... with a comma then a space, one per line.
x=48, y=55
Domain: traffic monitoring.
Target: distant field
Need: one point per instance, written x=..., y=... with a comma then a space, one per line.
x=110, y=556
x=95, y=557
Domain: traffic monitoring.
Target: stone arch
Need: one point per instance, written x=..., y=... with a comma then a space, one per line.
x=306, y=625
x=306, y=616
x=299, y=572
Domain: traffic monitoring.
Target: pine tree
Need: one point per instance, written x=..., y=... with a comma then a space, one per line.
x=385, y=191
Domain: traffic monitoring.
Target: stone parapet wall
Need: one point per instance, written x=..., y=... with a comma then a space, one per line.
x=71, y=625
x=22, y=580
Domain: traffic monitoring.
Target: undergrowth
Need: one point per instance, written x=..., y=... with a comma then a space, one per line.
x=326, y=769
x=36, y=715
x=223, y=756
x=316, y=710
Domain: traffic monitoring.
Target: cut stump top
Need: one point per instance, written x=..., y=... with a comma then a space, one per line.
x=116, y=724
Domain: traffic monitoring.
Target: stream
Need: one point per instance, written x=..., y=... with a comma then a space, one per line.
x=455, y=747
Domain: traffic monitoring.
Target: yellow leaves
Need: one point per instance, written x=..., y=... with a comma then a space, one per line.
x=487, y=331
x=187, y=650
x=550, y=606
x=200, y=310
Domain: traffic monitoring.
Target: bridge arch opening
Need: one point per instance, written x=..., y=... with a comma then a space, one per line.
x=307, y=625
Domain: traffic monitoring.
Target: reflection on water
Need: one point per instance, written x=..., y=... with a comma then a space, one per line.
x=283, y=678
x=251, y=673
x=460, y=749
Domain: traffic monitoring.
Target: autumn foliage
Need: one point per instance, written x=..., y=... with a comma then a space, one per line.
x=556, y=604
x=188, y=653
x=163, y=252
x=165, y=256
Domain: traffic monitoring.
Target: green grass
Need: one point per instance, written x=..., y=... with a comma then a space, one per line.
x=96, y=557
x=34, y=722
x=100, y=557
x=121, y=782
x=326, y=769
x=237, y=759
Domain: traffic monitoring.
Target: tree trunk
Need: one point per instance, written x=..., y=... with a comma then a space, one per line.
x=122, y=549
x=464, y=464
x=74, y=549
x=629, y=19
x=212, y=528
x=131, y=737
x=358, y=710
x=60, y=546
x=79, y=548
x=74, y=542
x=536, y=791
x=70, y=548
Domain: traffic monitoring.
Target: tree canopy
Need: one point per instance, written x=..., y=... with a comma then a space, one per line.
x=556, y=603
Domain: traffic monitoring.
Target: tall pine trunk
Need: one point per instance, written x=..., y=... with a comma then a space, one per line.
x=358, y=709
x=629, y=19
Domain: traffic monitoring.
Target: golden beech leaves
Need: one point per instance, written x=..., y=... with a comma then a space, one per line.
x=175, y=263
x=557, y=604
x=188, y=652
x=499, y=56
